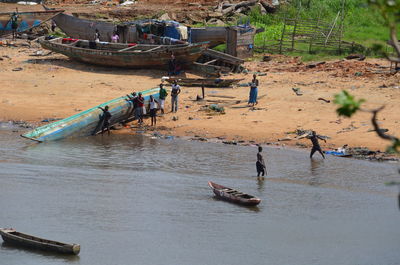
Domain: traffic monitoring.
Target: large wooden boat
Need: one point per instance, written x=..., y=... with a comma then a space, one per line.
x=80, y=28
x=25, y=20
x=124, y=55
x=24, y=240
x=233, y=195
x=88, y=122
x=207, y=82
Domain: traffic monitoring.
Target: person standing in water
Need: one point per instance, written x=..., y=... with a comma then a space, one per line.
x=316, y=147
x=106, y=120
x=260, y=164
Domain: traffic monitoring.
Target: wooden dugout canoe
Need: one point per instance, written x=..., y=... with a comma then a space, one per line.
x=87, y=122
x=232, y=195
x=26, y=20
x=207, y=82
x=125, y=55
x=24, y=240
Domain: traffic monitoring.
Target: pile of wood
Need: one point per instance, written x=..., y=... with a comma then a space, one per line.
x=266, y=6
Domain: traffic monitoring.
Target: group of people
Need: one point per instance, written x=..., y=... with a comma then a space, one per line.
x=139, y=108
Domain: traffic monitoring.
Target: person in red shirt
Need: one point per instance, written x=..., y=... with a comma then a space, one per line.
x=140, y=108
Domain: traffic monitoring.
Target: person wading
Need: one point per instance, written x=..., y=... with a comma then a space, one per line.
x=260, y=164
x=106, y=120
x=314, y=140
x=176, y=90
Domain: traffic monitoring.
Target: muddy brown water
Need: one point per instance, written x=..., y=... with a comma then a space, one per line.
x=138, y=200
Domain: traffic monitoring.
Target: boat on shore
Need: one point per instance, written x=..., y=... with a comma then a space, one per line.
x=25, y=20
x=80, y=28
x=124, y=55
x=232, y=195
x=24, y=240
x=207, y=82
x=88, y=122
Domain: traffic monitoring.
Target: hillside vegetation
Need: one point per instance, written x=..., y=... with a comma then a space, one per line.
x=362, y=23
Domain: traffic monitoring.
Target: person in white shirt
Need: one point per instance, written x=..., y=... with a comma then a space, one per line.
x=176, y=90
x=153, y=110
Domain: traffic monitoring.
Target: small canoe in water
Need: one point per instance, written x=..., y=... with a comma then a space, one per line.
x=207, y=82
x=88, y=122
x=24, y=240
x=232, y=195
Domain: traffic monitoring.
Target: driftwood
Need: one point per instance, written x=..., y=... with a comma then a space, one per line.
x=268, y=8
x=221, y=96
x=360, y=57
x=232, y=8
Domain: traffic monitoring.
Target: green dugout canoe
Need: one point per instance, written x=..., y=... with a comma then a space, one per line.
x=87, y=122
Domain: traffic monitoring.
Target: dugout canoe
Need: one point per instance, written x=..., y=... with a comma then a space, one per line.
x=207, y=82
x=24, y=240
x=232, y=195
x=124, y=55
x=26, y=20
x=88, y=122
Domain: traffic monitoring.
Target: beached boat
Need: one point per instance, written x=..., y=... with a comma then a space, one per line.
x=25, y=20
x=24, y=240
x=80, y=28
x=124, y=55
x=207, y=82
x=233, y=195
x=88, y=122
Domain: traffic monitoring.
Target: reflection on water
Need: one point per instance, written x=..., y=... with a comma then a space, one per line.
x=127, y=198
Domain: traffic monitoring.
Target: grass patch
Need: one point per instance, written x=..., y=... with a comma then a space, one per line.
x=362, y=24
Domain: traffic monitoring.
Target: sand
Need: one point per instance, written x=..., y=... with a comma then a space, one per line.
x=53, y=86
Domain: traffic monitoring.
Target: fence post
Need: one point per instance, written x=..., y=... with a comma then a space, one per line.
x=283, y=33
x=314, y=34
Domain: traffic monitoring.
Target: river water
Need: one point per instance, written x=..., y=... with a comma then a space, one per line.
x=138, y=200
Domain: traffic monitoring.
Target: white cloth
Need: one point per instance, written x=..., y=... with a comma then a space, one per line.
x=153, y=105
x=183, y=32
x=162, y=103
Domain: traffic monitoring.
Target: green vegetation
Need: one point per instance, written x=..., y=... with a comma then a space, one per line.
x=363, y=23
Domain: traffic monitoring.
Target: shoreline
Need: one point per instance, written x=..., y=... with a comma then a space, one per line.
x=376, y=155
x=50, y=86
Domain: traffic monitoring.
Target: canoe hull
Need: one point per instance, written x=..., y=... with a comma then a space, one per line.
x=86, y=123
x=80, y=28
x=26, y=20
x=24, y=240
x=128, y=59
x=227, y=194
x=207, y=82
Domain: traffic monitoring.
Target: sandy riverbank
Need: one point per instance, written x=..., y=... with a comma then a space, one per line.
x=54, y=87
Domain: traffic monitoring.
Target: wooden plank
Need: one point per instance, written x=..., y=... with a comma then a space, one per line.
x=223, y=56
x=127, y=49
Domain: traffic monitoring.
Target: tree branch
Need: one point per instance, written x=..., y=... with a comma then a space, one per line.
x=378, y=130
